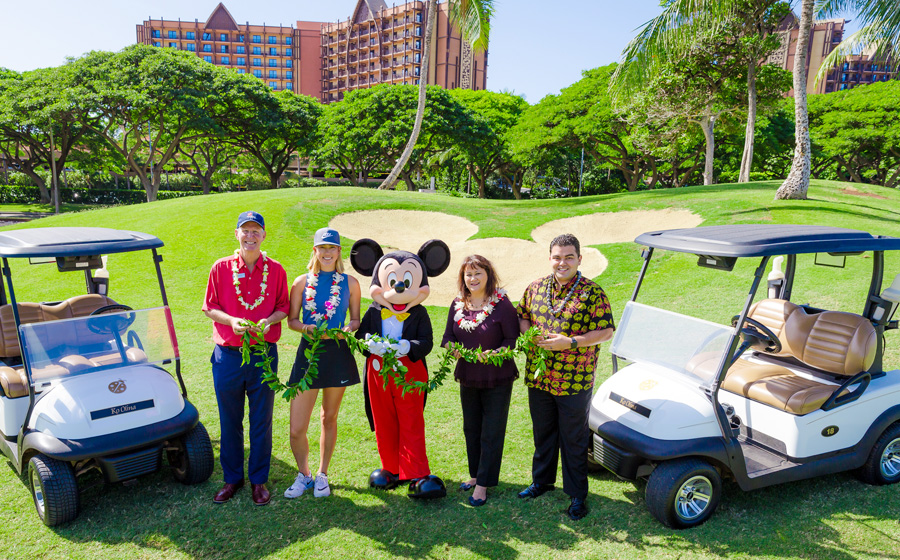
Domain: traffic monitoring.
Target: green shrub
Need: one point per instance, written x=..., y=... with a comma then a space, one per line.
x=31, y=194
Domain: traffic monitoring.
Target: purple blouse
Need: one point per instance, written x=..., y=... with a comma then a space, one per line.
x=500, y=329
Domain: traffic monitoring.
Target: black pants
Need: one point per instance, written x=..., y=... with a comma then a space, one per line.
x=484, y=423
x=561, y=424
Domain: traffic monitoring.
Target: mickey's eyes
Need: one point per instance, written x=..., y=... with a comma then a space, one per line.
x=392, y=279
x=407, y=279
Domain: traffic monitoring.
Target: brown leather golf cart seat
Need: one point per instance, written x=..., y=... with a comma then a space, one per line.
x=835, y=343
x=12, y=379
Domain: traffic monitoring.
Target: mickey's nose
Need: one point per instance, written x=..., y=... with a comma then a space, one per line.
x=399, y=287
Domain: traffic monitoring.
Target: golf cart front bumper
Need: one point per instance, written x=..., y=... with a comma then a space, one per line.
x=114, y=446
x=623, y=450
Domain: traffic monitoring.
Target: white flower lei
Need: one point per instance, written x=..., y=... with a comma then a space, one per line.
x=489, y=306
x=237, y=282
x=331, y=306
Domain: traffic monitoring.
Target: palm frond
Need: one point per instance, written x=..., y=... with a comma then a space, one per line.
x=881, y=37
x=473, y=20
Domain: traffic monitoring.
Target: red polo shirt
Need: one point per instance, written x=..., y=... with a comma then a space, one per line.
x=221, y=295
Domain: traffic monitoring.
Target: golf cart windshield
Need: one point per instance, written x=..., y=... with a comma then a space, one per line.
x=56, y=349
x=670, y=340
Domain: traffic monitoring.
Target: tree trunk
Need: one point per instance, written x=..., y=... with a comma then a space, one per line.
x=410, y=185
x=797, y=183
x=708, y=123
x=750, y=131
x=391, y=179
x=38, y=182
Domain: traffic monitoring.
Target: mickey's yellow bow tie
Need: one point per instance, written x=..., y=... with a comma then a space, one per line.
x=387, y=313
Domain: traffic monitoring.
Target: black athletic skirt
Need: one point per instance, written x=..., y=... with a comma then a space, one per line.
x=337, y=368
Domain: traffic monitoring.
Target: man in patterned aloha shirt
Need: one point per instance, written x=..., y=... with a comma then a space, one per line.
x=573, y=315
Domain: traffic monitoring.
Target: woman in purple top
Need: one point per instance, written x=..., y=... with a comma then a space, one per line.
x=482, y=316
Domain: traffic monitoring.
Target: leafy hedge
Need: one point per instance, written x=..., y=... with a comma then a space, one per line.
x=20, y=195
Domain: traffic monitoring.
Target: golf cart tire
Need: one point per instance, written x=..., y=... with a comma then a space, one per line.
x=670, y=497
x=58, y=500
x=192, y=462
x=883, y=465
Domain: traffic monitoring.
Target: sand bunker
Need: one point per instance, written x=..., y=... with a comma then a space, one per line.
x=518, y=262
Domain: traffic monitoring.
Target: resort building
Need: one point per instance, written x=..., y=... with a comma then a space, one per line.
x=824, y=37
x=376, y=44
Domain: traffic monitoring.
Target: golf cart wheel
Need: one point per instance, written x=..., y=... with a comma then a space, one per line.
x=883, y=465
x=683, y=493
x=54, y=490
x=192, y=457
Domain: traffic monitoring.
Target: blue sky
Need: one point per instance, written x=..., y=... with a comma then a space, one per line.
x=537, y=46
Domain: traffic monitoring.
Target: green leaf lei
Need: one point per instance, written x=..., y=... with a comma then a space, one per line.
x=524, y=345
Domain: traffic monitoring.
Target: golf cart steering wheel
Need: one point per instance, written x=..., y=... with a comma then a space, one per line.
x=762, y=334
x=111, y=324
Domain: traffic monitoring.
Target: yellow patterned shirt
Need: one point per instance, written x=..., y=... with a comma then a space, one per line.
x=569, y=371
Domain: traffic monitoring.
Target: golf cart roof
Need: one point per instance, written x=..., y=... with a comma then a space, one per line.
x=757, y=240
x=73, y=241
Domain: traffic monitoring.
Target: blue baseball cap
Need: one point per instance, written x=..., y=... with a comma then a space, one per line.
x=250, y=216
x=327, y=236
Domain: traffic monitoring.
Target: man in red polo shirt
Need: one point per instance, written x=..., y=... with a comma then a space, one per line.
x=245, y=286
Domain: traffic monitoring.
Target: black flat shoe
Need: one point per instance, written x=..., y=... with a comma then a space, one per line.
x=577, y=509
x=466, y=486
x=477, y=503
x=535, y=490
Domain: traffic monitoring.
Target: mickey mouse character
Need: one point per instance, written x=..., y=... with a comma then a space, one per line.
x=399, y=285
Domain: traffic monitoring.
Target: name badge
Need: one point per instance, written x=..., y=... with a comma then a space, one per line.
x=241, y=275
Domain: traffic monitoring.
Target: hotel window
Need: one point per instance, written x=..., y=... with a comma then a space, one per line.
x=241, y=71
x=207, y=59
x=173, y=34
x=273, y=85
x=223, y=49
x=843, y=86
x=241, y=38
x=843, y=78
x=223, y=36
x=419, y=17
x=289, y=86
x=417, y=58
x=257, y=50
x=417, y=70
x=207, y=48
x=191, y=47
x=241, y=60
x=190, y=35
x=257, y=73
x=418, y=43
x=156, y=34
x=273, y=73
x=846, y=66
x=288, y=52
x=874, y=78
x=257, y=62
x=241, y=49
x=207, y=36
x=874, y=68
x=173, y=45
x=288, y=64
x=257, y=39
x=289, y=75
x=273, y=40
x=157, y=44
x=288, y=41
x=224, y=60
x=418, y=31
x=273, y=62
x=273, y=51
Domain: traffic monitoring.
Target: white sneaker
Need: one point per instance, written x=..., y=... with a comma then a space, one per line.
x=301, y=484
x=321, y=489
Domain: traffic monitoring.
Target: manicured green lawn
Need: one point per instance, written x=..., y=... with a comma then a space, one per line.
x=43, y=208
x=829, y=517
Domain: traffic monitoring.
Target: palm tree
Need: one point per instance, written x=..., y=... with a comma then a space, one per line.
x=880, y=29
x=797, y=183
x=471, y=18
x=671, y=35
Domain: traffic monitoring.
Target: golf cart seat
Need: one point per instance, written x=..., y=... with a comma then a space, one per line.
x=831, y=347
x=12, y=378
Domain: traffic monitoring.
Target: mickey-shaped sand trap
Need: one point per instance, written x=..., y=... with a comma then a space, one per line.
x=517, y=261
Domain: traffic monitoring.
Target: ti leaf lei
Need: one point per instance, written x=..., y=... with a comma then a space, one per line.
x=524, y=345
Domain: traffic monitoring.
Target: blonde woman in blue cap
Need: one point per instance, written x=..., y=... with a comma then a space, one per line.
x=324, y=294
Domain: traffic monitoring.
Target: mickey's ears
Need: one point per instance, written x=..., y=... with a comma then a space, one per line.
x=435, y=255
x=364, y=255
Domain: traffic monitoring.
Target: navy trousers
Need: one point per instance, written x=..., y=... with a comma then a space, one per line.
x=232, y=381
x=561, y=424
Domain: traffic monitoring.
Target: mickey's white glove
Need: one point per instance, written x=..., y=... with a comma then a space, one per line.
x=374, y=346
x=401, y=348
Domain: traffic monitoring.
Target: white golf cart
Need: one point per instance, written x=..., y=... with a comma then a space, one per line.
x=788, y=392
x=82, y=383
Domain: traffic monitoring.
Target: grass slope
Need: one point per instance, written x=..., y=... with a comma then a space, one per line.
x=829, y=517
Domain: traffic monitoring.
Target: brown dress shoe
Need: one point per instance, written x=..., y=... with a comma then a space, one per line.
x=227, y=492
x=261, y=496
